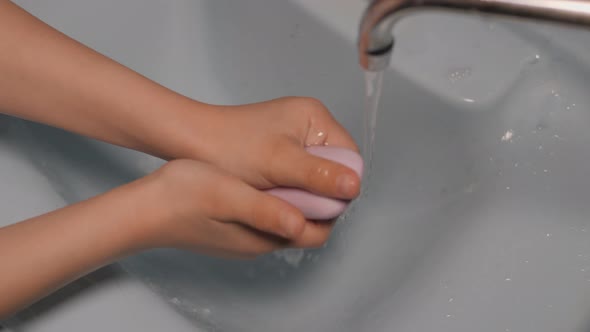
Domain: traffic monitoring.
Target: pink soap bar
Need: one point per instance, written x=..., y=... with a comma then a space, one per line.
x=315, y=207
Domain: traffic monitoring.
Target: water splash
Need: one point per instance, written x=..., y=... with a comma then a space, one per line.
x=291, y=256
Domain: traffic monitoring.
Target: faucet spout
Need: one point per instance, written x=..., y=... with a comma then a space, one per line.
x=376, y=41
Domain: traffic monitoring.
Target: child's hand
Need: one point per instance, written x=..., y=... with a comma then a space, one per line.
x=197, y=207
x=260, y=143
x=264, y=144
x=185, y=204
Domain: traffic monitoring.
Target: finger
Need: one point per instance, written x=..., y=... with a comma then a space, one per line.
x=294, y=167
x=315, y=235
x=262, y=211
x=234, y=240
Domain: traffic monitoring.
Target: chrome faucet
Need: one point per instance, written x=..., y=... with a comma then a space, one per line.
x=376, y=41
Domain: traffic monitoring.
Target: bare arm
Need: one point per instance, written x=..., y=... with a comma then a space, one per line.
x=185, y=204
x=48, y=77
x=43, y=253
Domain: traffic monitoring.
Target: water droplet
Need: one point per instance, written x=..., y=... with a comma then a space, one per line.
x=468, y=100
x=508, y=279
x=534, y=59
x=515, y=164
x=507, y=136
x=451, y=299
x=449, y=316
x=458, y=74
x=507, y=188
x=549, y=235
x=545, y=171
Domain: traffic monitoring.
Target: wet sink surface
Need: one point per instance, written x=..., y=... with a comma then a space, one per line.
x=476, y=215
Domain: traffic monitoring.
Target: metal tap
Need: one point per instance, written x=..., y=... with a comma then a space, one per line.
x=376, y=41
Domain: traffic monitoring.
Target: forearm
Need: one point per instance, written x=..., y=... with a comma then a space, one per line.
x=47, y=77
x=41, y=254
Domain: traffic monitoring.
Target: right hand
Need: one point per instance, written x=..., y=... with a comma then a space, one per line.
x=198, y=207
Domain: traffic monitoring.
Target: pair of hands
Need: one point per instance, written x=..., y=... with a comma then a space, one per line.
x=207, y=196
x=210, y=200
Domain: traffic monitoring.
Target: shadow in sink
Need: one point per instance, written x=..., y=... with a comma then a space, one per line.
x=105, y=275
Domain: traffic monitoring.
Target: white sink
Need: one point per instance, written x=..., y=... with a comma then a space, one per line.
x=476, y=217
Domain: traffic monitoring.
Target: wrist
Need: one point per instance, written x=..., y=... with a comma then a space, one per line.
x=136, y=211
x=151, y=209
x=178, y=129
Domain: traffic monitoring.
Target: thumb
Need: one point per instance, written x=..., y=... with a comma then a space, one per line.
x=295, y=167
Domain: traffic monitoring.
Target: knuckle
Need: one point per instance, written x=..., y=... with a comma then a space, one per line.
x=309, y=104
x=317, y=172
x=258, y=218
x=313, y=104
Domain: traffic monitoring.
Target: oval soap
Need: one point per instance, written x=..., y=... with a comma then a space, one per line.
x=316, y=207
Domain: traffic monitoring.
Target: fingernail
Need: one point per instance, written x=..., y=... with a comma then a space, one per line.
x=290, y=225
x=345, y=184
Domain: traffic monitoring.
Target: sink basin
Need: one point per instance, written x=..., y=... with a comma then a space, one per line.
x=475, y=217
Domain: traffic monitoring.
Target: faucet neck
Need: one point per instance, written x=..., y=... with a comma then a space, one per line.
x=375, y=34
